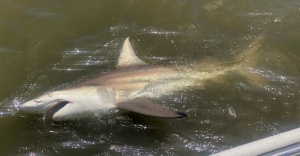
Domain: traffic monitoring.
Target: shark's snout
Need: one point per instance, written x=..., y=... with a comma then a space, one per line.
x=38, y=107
x=51, y=109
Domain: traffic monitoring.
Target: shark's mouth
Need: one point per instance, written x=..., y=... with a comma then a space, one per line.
x=59, y=105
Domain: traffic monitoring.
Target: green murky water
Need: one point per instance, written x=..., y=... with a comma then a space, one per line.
x=50, y=44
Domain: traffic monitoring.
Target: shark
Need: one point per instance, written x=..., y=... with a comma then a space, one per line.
x=134, y=84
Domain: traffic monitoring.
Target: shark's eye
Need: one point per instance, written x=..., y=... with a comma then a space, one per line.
x=50, y=94
x=37, y=101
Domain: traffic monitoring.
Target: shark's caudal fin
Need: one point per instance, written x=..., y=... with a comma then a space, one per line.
x=249, y=59
x=243, y=64
x=250, y=56
x=147, y=107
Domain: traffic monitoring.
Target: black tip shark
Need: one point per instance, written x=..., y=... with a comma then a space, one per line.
x=131, y=86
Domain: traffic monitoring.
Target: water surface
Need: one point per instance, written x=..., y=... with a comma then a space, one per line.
x=45, y=45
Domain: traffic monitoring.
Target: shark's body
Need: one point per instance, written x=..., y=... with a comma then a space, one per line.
x=132, y=86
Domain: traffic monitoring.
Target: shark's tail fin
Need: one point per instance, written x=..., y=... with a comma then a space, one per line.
x=219, y=73
x=250, y=56
x=243, y=65
x=249, y=59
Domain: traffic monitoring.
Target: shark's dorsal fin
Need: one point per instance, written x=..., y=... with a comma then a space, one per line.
x=147, y=107
x=128, y=57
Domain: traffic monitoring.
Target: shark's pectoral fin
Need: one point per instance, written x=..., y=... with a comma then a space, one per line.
x=147, y=107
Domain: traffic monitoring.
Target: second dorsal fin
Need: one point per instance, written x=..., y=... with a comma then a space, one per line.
x=128, y=57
